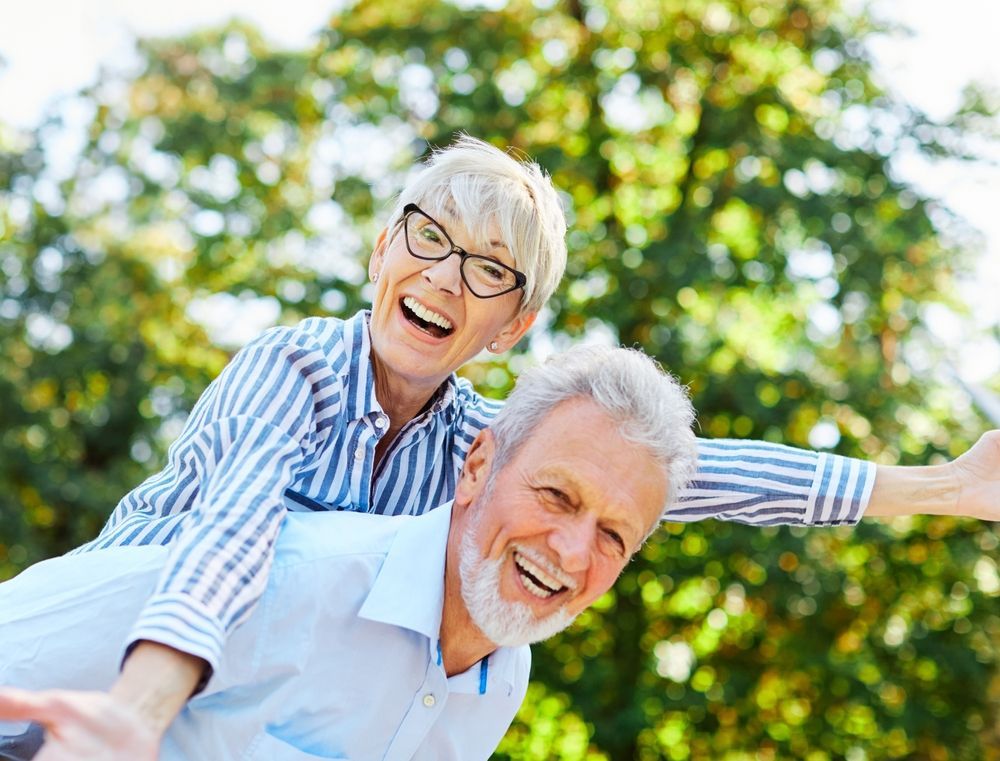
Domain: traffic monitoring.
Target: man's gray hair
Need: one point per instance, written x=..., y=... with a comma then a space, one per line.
x=480, y=185
x=651, y=408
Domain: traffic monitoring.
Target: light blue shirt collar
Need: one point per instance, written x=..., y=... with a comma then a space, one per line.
x=409, y=593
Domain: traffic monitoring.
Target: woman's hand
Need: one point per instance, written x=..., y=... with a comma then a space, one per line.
x=978, y=474
x=967, y=487
x=82, y=725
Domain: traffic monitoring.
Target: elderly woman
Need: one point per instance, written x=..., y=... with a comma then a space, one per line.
x=366, y=414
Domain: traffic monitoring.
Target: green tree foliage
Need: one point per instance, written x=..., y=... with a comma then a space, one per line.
x=734, y=213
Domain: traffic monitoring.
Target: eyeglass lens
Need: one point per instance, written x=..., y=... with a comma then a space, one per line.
x=484, y=276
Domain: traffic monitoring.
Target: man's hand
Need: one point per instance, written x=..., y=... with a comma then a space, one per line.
x=82, y=725
x=968, y=487
x=978, y=475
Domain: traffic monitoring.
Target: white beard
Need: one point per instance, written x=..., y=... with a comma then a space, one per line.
x=505, y=624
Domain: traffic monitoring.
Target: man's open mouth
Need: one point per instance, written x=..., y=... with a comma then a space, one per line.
x=429, y=321
x=535, y=579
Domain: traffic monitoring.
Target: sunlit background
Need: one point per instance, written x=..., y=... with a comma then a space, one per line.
x=52, y=48
x=744, y=203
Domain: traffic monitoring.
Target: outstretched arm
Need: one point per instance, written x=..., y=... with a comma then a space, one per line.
x=240, y=450
x=764, y=484
x=968, y=487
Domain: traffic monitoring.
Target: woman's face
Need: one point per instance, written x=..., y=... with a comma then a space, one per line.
x=425, y=322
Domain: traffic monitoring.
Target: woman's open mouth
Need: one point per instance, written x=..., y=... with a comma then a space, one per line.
x=430, y=322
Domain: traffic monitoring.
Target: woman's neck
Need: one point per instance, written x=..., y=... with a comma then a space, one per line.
x=401, y=399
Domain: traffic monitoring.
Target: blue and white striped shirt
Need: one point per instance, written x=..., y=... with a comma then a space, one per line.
x=292, y=424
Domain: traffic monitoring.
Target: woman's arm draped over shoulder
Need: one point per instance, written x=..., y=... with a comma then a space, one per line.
x=250, y=433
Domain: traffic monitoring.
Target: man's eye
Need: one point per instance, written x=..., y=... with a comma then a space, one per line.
x=555, y=494
x=615, y=538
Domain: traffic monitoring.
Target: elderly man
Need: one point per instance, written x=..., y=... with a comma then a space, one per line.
x=394, y=638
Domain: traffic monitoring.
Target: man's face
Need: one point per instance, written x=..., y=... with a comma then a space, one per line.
x=554, y=528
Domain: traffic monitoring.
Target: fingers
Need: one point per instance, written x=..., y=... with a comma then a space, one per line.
x=81, y=725
x=49, y=708
x=22, y=705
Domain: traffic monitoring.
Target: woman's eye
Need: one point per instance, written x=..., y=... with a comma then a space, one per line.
x=430, y=234
x=492, y=271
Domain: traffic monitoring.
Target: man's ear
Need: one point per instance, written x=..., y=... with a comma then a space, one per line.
x=476, y=470
x=511, y=333
x=378, y=254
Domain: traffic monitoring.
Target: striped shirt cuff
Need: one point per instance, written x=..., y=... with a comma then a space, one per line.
x=840, y=491
x=183, y=624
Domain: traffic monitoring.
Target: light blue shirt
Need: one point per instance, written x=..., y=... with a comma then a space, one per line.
x=339, y=660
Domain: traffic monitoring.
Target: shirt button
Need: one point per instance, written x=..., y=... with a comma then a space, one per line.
x=429, y=700
x=359, y=454
x=381, y=422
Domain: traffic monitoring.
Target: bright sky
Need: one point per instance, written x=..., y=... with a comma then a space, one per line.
x=54, y=47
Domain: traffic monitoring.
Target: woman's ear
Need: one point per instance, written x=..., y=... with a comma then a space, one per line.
x=476, y=470
x=378, y=254
x=511, y=333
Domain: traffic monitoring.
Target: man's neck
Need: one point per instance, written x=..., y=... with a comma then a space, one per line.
x=462, y=643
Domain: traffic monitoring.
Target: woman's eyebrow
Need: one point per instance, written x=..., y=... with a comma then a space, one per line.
x=451, y=219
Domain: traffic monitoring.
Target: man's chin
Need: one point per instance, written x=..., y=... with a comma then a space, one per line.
x=515, y=624
x=503, y=622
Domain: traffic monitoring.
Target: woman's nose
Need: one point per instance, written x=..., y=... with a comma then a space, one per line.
x=445, y=274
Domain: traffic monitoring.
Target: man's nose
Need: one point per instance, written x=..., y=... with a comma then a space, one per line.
x=573, y=540
x=445, y=274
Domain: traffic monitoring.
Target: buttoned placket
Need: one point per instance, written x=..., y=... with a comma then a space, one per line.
x=370, y=432
x=428, y=702
x=410, y=434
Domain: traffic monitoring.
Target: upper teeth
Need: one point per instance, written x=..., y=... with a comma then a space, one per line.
x=426, y=314
x=547, y=577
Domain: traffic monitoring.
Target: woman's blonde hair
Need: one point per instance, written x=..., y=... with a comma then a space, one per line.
x=480, y=185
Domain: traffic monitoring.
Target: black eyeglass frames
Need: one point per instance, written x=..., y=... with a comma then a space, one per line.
x=484, y=277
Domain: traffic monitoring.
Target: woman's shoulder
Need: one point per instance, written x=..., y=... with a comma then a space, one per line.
x=330, y=335
x=475, y=409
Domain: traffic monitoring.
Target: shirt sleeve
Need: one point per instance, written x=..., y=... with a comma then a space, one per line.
x=474, y=413
x=769, y=484
x=248, y=437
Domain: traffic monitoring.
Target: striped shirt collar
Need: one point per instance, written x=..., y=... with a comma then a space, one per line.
x=359, y=376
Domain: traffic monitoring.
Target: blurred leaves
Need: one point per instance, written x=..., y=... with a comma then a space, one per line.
x=733, y=211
